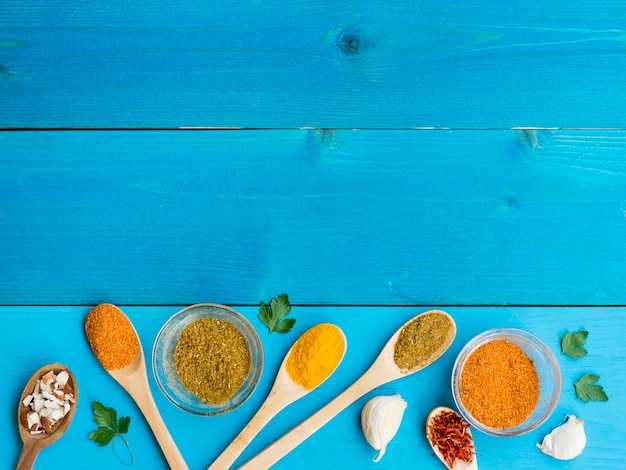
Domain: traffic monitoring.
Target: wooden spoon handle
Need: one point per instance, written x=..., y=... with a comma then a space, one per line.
x=276, y=451
x=164, y=438
x=27, y=457
x=268, y=410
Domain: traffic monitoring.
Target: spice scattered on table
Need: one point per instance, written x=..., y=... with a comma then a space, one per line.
x=500, y=385
x=50, y=402
x=566, y=441
x=380, y=420
x=315, y=355
x=212, y=359
x=111, y=336
x=420, y=339
x=450, y=433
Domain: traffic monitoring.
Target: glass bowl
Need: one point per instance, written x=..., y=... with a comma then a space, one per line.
x=547, y=370
x=164, y=367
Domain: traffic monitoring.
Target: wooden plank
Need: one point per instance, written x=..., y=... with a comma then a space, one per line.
x=277, y=64
x=340, y=444
x=345, y=217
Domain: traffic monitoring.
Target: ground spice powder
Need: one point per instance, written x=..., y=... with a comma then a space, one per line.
x=111, y=336
x=420, y=339
x=212, y=359
x=316, y=355
x=499, y=385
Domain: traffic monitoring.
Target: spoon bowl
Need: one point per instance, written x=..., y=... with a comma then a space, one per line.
x=33, y=443
x=383, y=370
x=459, y=464
x=284, y=392
x=134, y=379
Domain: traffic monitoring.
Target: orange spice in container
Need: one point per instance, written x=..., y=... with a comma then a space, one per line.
x=111, y=336
x=499, y=385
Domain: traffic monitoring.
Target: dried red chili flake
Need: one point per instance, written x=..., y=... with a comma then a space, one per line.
x=450, y=433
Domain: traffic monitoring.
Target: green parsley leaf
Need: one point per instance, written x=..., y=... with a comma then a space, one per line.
x=586, y=389
x=102, y=436
x=103, y=416
x=109, y=428
x=123, y=424
x=572, y=344
x=273, y=315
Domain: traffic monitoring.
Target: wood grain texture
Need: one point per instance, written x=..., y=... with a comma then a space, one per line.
x=340, y=444
x=330, y=217
x=279, y=64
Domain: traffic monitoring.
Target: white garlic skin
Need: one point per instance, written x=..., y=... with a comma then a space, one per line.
x=565, y=441
x=380, y=421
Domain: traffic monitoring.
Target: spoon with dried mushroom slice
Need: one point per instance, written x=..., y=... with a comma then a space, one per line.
x=45, y=410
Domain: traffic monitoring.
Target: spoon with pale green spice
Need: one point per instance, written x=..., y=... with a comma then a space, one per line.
x=415, y=345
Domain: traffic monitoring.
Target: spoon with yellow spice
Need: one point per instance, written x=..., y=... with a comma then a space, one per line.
x=414, y=346
x=308, y=363
x=115, y=343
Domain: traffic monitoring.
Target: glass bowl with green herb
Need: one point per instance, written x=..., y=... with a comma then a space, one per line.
x=207, y=359
x=506, y=382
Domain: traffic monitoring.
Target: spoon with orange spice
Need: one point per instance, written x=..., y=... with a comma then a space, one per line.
x=450, y=437
x=313, y=358
x=115, y=342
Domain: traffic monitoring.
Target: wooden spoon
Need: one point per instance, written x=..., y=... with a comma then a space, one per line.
x=134, y=379
x=284, y=392
x=383, y=370
x=459, y=464
x=33, y=443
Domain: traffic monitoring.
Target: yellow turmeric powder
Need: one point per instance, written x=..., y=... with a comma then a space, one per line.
x=315, y=355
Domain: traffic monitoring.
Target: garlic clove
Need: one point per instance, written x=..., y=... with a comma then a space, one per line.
x=380, y=420
x=566, y=441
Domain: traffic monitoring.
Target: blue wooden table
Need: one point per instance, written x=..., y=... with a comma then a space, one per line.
x=371, y=160
x=340, y=444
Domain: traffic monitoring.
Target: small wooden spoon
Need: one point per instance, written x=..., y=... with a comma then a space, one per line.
x=33, y=443
x=459, y=464
x=284, y=392
x=383, y=370
x=134, y=379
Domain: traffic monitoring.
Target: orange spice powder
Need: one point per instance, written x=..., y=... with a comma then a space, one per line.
x=500, y=385
x=111, y=336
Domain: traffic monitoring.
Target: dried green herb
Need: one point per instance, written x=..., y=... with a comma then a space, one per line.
x=572, y=344
x=420, y=339
x=587, y=389
x=273, y=315
x=212, y=359
x=110, y=428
